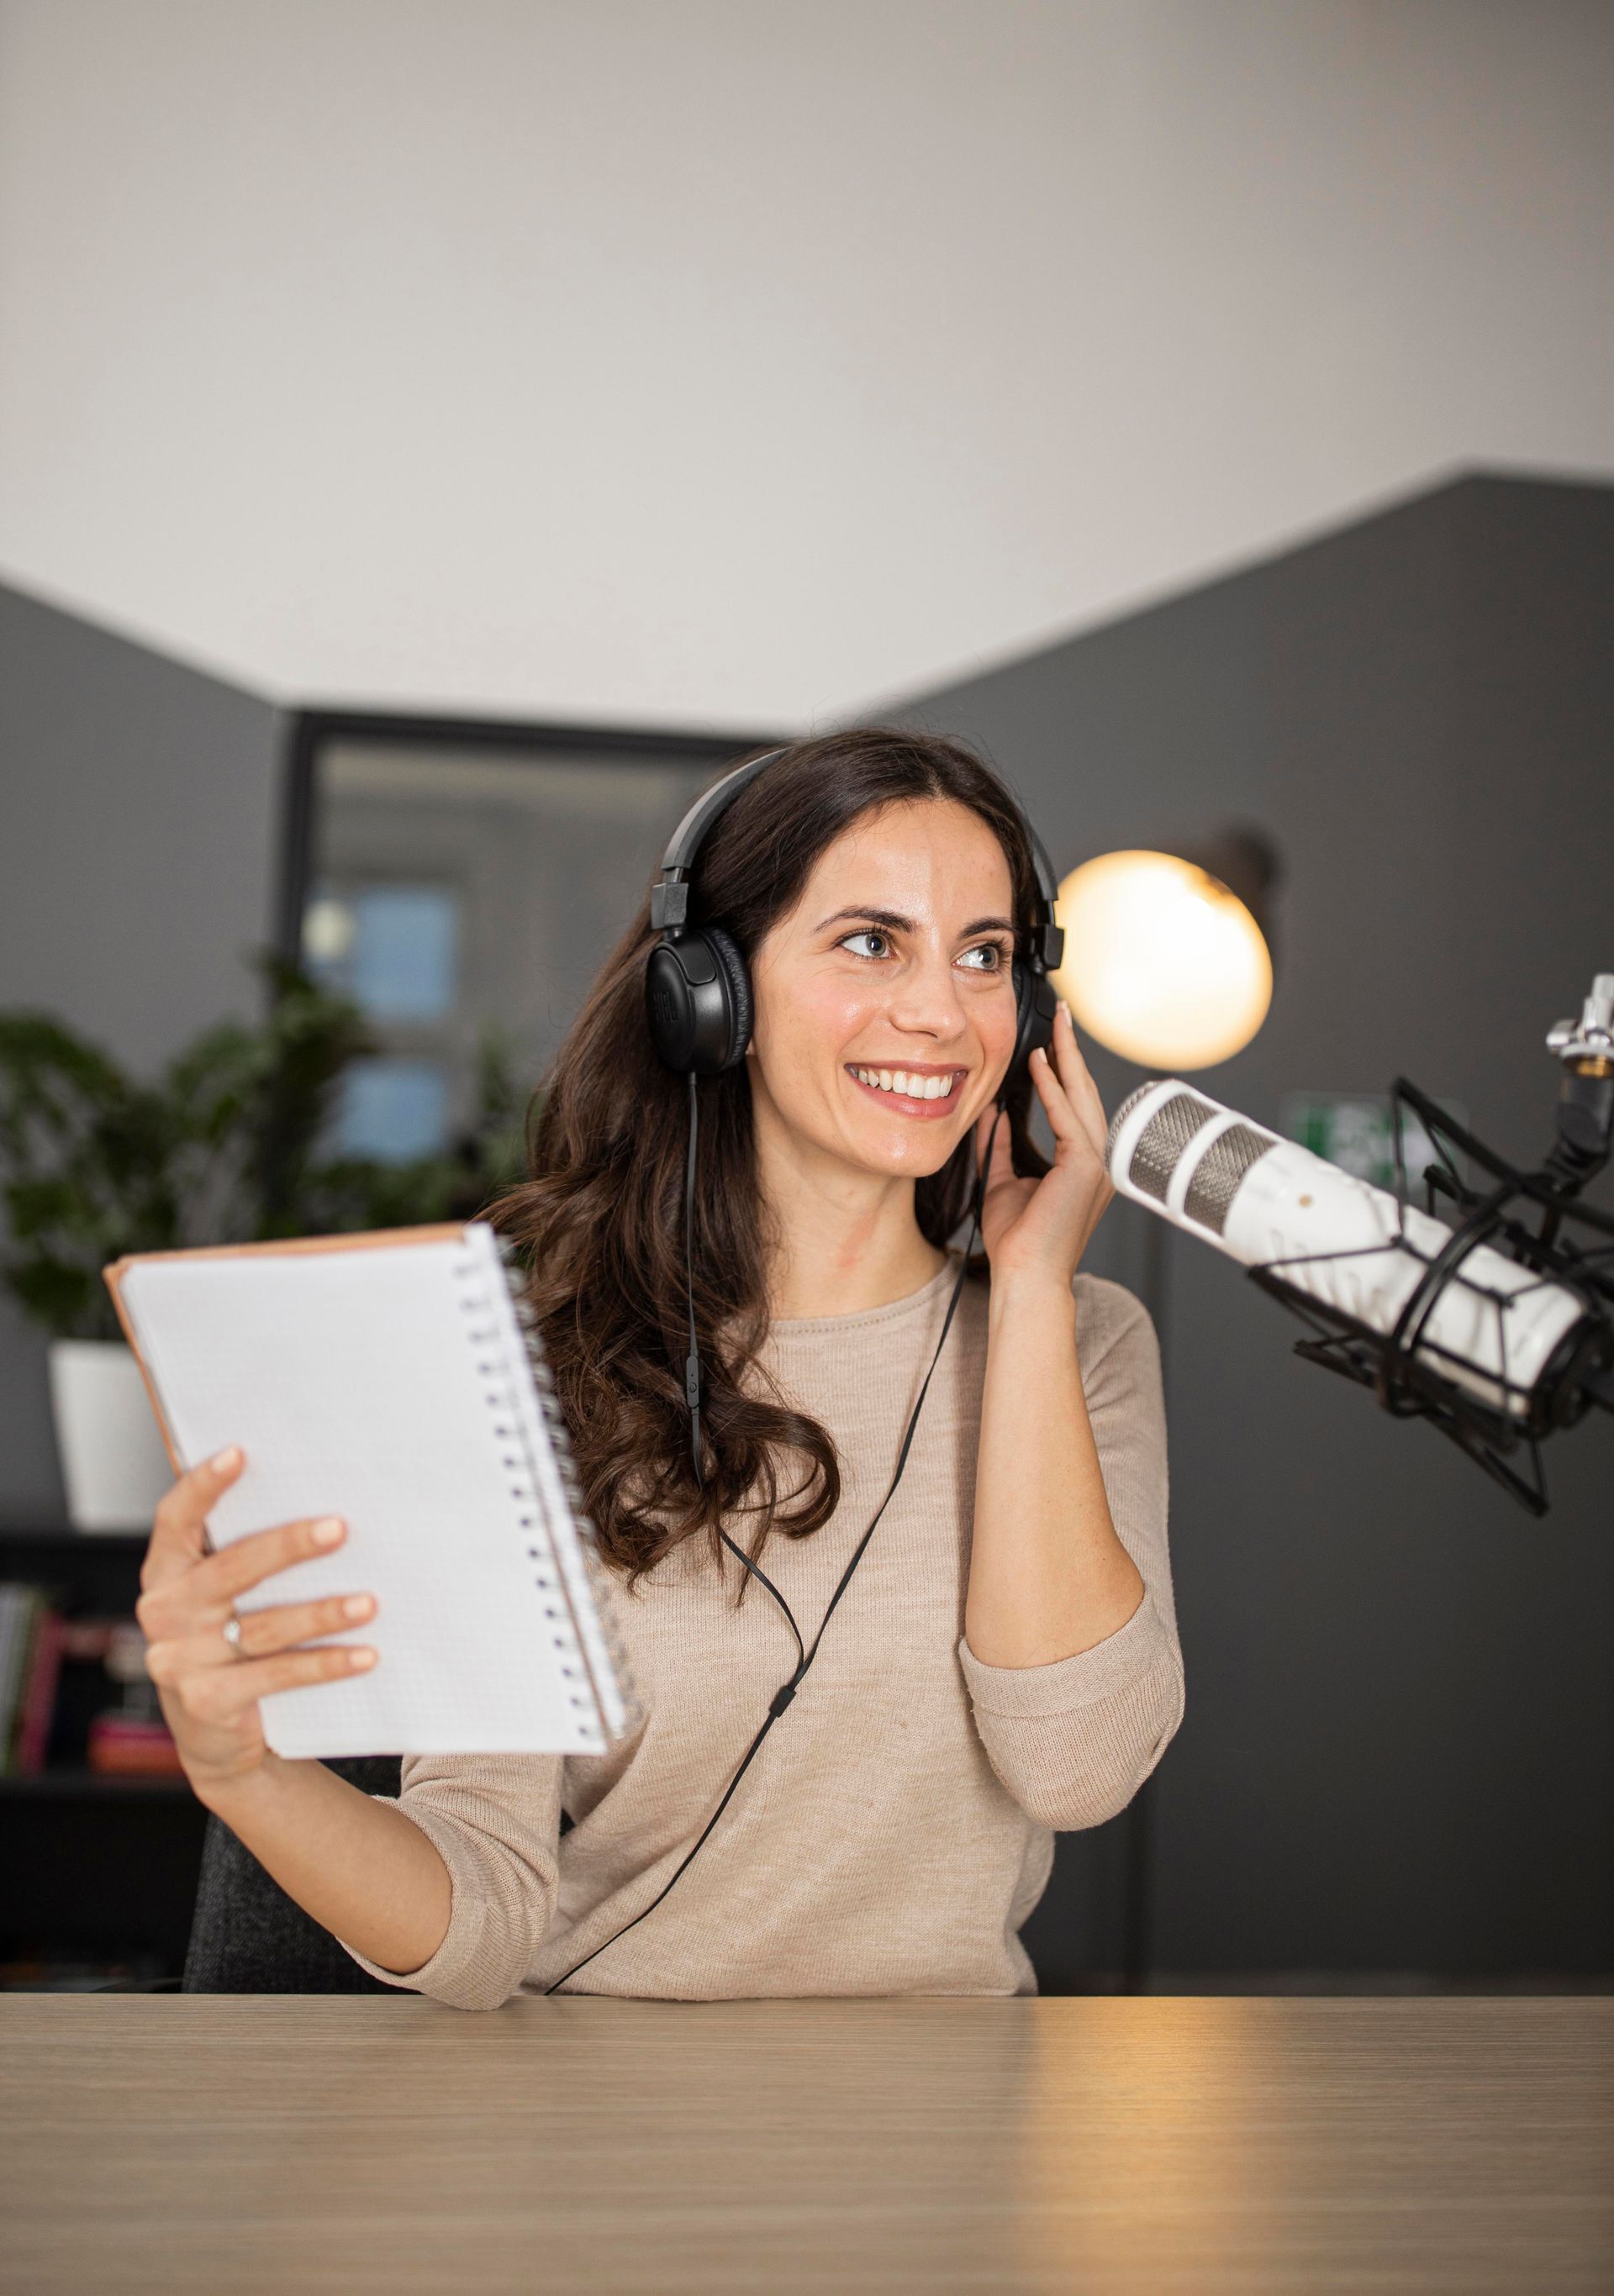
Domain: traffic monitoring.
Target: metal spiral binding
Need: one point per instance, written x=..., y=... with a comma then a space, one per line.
x=492, y=1365
x=560, y=1441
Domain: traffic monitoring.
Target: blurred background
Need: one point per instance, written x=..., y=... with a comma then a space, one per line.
x=434, y=441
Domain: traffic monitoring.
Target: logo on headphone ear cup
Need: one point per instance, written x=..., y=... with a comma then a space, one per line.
x=697, y=1002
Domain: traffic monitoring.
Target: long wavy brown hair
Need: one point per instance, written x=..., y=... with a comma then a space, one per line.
x=600, y=1220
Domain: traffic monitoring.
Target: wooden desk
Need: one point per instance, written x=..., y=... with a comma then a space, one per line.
x=173, y=2142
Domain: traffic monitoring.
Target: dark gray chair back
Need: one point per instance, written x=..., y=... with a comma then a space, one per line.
x=247, y=1936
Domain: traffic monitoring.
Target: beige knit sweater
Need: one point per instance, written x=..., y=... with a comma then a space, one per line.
x=895, y=1829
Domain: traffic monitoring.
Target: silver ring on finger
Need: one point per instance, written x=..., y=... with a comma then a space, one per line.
x=231, y=1631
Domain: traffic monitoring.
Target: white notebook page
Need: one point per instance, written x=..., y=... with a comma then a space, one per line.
x=360, y=1384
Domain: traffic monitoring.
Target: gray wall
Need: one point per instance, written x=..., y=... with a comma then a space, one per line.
x=1399, y=1746
x=138, y=831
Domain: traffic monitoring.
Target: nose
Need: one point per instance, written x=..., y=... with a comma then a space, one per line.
x=926, y=1001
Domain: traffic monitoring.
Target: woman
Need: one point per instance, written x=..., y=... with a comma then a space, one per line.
x=1005, y=1662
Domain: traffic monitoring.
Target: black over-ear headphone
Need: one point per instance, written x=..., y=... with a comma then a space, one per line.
x=697, y=985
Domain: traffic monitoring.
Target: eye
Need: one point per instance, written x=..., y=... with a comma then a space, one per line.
x=987, y=957
x=866, y=933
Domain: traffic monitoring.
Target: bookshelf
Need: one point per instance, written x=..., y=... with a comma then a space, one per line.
x=97, y=1873
x=65, y=1783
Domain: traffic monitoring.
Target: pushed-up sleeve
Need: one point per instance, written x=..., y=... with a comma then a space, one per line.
x=494, y=1819
x=1073, y=1741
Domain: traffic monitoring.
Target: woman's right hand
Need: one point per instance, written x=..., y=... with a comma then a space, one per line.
x=210, y=1691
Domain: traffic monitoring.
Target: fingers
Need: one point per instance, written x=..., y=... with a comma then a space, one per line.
x=247, y=1561
x=219, y=1693
x=179, y=1527
x=200, y=1596
x=263, y=1633
x=1061, y=1116
x=1067, y=1071
x=285, y=1624
x=1056, y=1082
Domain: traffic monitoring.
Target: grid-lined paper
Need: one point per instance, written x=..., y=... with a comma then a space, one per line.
x=372, y=1384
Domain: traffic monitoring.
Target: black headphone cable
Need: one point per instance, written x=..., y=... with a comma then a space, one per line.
x=692, y=1361
x=787, y=1691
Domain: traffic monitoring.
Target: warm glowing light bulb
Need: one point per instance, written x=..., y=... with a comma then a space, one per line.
x=1162, y=964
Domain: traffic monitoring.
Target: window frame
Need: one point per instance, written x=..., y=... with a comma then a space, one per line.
x=311, y=732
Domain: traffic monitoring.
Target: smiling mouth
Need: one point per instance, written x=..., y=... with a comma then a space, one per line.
x=911, y=1091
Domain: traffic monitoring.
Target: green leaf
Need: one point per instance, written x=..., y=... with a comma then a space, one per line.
x=230, y=1145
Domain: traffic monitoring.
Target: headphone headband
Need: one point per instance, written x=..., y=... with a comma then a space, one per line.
x=1048, y=938
x=669, y=896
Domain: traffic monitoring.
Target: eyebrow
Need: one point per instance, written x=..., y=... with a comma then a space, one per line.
x=896, y=924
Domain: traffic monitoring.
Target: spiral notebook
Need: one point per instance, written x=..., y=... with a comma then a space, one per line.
x=394, y=1380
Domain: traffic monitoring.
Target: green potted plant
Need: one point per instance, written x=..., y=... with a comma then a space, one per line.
x=231, y=1143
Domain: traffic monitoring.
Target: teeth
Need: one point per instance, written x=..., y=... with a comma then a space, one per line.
x=912, y=1088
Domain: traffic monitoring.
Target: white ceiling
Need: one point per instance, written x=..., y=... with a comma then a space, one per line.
x=736, y=363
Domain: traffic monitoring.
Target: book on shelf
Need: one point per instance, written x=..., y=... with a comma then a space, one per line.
x=37, y=1641
x=30, y=1658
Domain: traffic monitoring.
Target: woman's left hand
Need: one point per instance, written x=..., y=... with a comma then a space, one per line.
x=1041, y=1227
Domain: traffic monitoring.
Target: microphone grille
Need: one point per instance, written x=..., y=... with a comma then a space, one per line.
x=1159, y=1146
x=1123, y=1112
x=1217, y=1176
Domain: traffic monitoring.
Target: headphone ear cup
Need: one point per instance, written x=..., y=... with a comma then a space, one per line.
x=1036, y=1005
x=736, y=978
x=697, y=1002
x=670, y=1007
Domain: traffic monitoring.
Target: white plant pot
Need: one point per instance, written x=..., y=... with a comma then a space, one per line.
x=112, y=1459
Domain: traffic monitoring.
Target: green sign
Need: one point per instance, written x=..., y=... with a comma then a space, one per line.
x=1354, y=1130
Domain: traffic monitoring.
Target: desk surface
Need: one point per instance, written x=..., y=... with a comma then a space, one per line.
x=181, y=2143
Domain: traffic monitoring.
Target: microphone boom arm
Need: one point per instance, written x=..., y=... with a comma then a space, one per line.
x=1396, y=1366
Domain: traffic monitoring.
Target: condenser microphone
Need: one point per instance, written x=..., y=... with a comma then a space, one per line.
x=1512, y=1340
